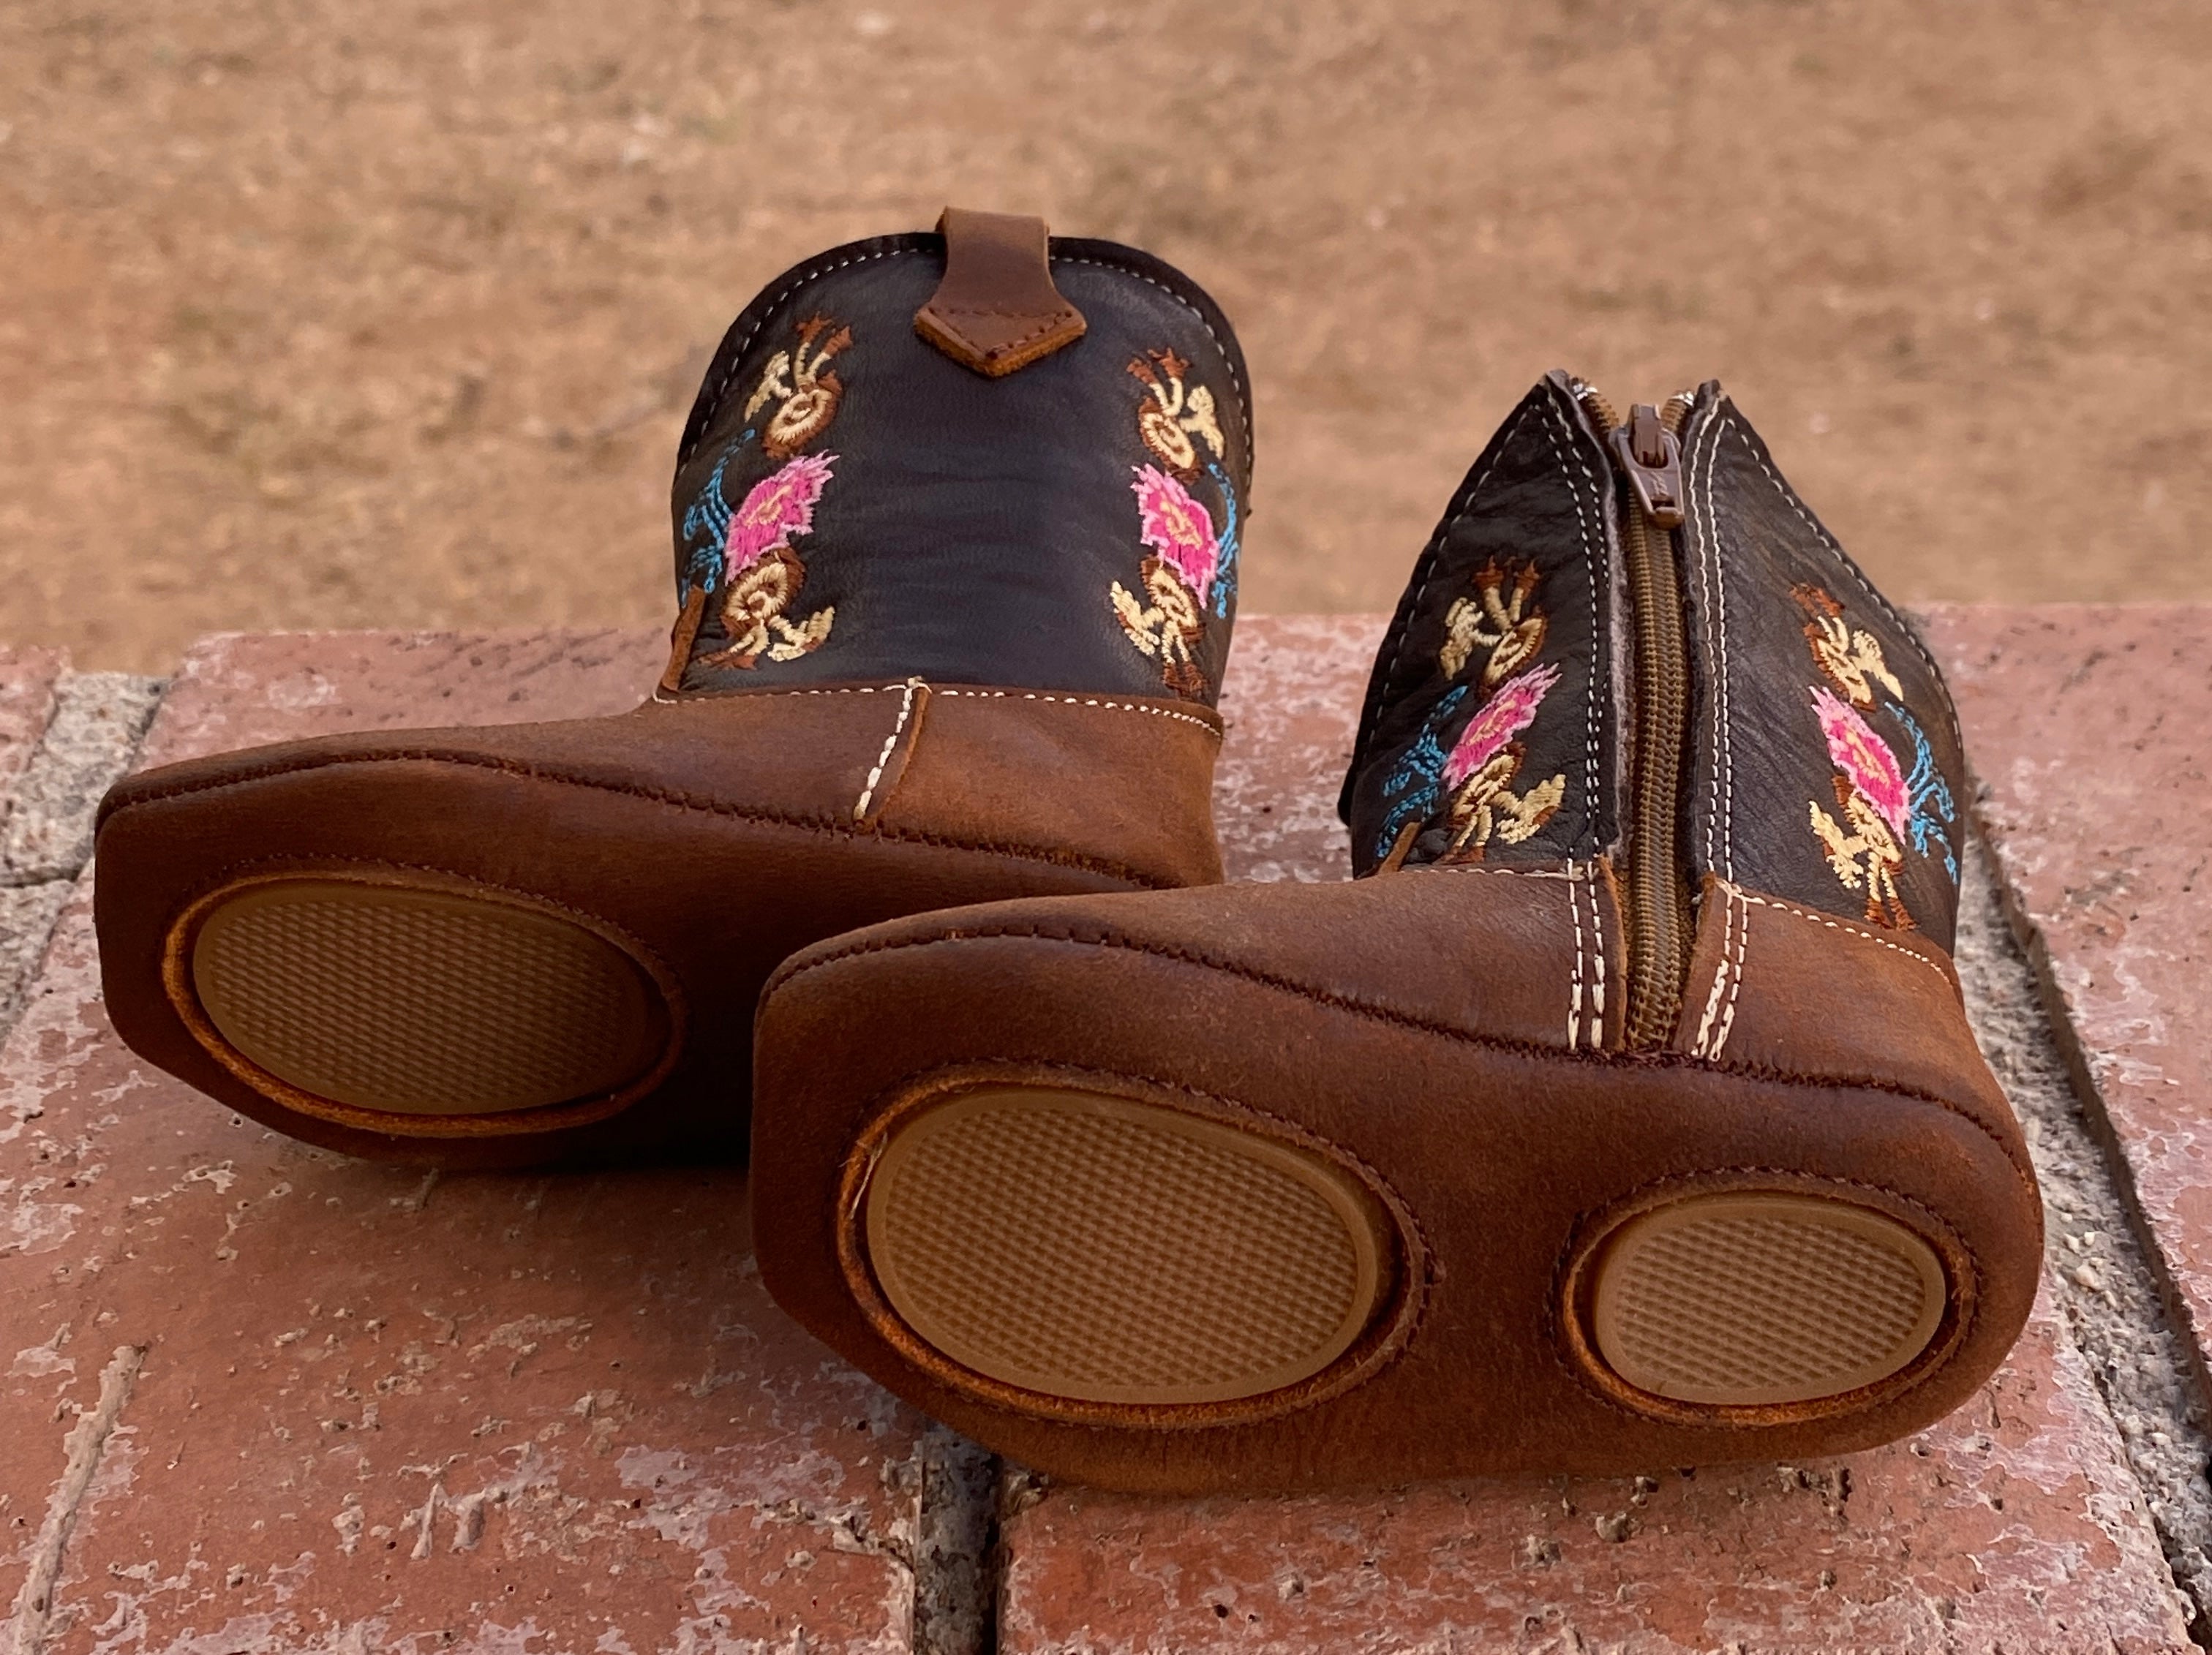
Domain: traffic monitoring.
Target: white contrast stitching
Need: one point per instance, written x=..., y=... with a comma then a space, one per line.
x=1848, y=928
x=1736, y=978
x=1596, y=563
x=1080, y=701
x=1510, y=873
x=1575, y=1001
x=1722, y=812
x=1597, y=928
x=1435, y=555
x=938, y=690
x=1228, y=356
x=906, y=710
x=714, y=400
x=1904, y=627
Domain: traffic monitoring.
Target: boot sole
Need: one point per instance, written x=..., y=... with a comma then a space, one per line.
x=421, y=1004
x=1090, y=1249
x=1085, y=1249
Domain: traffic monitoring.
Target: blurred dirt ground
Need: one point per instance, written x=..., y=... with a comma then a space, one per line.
x=331, y=312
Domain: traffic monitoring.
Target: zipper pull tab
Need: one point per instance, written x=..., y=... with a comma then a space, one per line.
x=1652, y=456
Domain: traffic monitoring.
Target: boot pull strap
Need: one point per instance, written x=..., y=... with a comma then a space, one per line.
x=996, y=309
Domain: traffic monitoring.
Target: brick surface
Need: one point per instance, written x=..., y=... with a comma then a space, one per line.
x=2006, y=1527
x=375, y=1410
x=27, y=702
x=2090, y=731
x=378, y=1410
x=2014, y=1524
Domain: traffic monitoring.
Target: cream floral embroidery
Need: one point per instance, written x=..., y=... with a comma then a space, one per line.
x=1876, y=800
x=1850, y=655
x=763, y=577
x=805, y=392
x=1484, y=763
x=1174, y=415
x=1178, y=579
x=1499, y=618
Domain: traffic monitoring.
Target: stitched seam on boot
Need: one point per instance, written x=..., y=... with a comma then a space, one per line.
x=1910, y=632
x=890, y=743
x=1574, y=981
x=1228, y=356
x=1593, y=561
x=790, y=972
x=1845, y=926
x=831, y=826
x=937, y=690
x=714, y=400
x=1431, y=556
x=1723, y=813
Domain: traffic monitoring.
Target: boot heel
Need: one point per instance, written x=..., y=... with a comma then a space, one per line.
x=1762, y=1300
x=431, y=1007
x=1087, y=1249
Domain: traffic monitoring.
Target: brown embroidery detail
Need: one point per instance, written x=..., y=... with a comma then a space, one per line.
x=1169, y=630
x=681, y=638
x=1499, y=618
x=753, y=614
x=1866, y=858
x=1851, y=656
x=1174, y=415
x=805, y=391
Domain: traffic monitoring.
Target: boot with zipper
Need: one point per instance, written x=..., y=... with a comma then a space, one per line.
x=1621, y=1114
x=956, y=517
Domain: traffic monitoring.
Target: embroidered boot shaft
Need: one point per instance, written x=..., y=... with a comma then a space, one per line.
x=1621, y=1114
x=856, y=499
x=957, y=520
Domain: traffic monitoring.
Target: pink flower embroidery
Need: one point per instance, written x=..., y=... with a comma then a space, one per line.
x=1509, y=712
x=779, y=507
x=1177, y=528
x=1865, y=760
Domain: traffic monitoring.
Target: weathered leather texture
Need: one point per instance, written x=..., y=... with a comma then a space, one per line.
x=1757, y=567
x=1539, y=499
x=1454, y=1022
x=1793, y=659
x=970, y=530
x=720, y=832
x=1436, y=1024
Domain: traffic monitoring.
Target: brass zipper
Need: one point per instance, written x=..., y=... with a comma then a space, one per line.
x=1646, y=451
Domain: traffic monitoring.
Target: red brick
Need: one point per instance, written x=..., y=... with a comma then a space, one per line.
x=556, y=1413
x=2013, y=1526
x=1290, y=703
x=236, y=690
x=27, y=702
x=2090, y=731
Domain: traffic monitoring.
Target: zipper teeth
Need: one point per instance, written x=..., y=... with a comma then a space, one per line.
x=1602, y=413
x=1659, y=919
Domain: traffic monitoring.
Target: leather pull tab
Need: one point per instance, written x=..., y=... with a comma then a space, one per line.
x=996, y=310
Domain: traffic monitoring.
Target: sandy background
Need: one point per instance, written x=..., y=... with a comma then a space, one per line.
x=335, y=313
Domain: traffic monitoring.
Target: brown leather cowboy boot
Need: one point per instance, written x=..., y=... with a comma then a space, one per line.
x=1623, y=1112
x=957, y=520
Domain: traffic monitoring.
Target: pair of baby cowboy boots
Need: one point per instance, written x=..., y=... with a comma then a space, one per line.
x=1621, y=1113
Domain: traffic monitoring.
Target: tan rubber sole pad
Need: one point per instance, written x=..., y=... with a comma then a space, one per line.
x=1758, y=1299
x=1101, y=1250
x=419, y=1001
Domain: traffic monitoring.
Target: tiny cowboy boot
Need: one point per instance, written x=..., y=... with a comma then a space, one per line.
x=1621, y=1114
x=957, y=520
